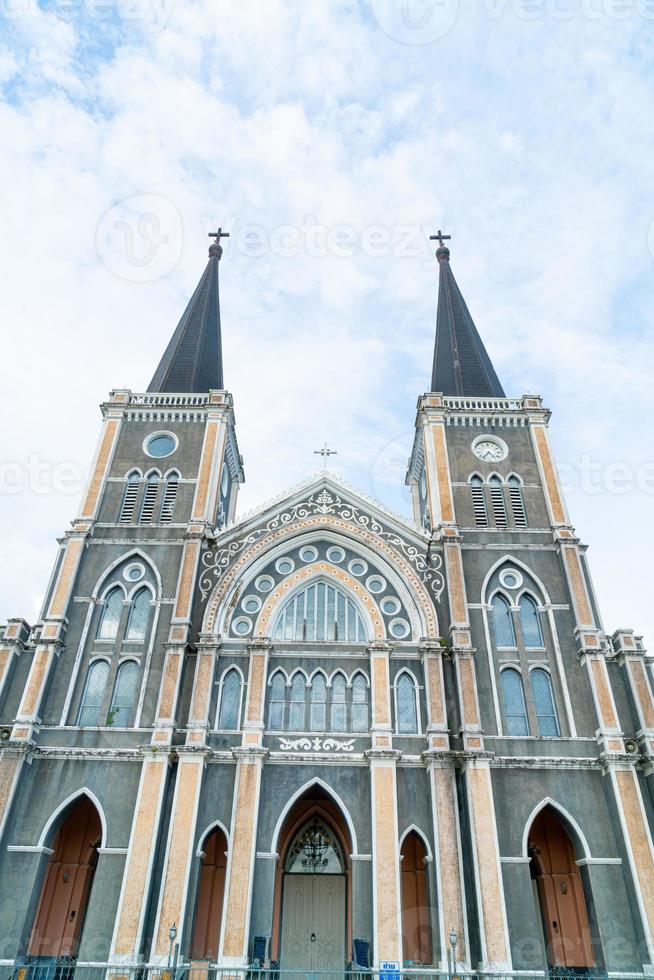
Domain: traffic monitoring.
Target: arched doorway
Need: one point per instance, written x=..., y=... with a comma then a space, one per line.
x=211, y=892
x=67, y=886
x=560, y=893
x=416, y=928
x=312, y=929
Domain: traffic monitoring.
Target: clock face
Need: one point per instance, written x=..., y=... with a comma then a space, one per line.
x=489, y=450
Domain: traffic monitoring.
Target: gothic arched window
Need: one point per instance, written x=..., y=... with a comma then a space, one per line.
x=149, y=497
x=516, y=497
x=498, y=502
x=530, y=622
x=230, y=701
x=96, y=681
x=139, y=615
x=359, y=704
x=514, y=703
x=503, y=622
x=169, y=497
x=541, y=685
x=479, y=509
x=122, y=702
x=128, y=504
x=296, y=706
x=110, y=618
x=318, y=711
x=339, y=704
x=407, y=709
x=276, y=706
x=320, y=612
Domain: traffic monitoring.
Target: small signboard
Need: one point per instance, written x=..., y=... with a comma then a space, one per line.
x=389, y=970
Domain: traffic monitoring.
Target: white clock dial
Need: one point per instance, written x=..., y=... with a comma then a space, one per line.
x=489, y=451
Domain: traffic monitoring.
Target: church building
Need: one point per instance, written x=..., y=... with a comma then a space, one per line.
x=323, y=736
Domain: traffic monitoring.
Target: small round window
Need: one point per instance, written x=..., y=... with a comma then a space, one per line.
x=511, y=579
x=399, y=628
x=134, y=572
x=160, y=444
x=285, y=566
x=358, y=567
x=264, y=583
x=251, y=603
x=376, y=584
x=309, y=553
x=390, y=606
x=242, y=626
x=335, y=555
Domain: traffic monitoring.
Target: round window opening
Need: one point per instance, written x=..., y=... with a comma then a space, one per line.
x=285, y=566
x=511, y=579
x=160, y=444
x=399, y=629
x=390, y=606
x=242, y=626
x=308, y=553
x=358, y=567
x=264, y=583
x=336, y=555
x=376, y=584
x=134, y=573
x=251, y=603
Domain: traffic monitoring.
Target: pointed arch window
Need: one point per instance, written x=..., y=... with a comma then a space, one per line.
x=503, y=622
x=276, y=707
x=479, y=509
x=230, y=701
x=169, y=497
x=124, y=696
x=359, y=704
x=339, y=704
x=130, y=494
x=320, y=612
x=94, y=688
x=541, y=685
x=297, y=703
x=407, y=709
x=139, y=615
x=517, y=499
x=318, y=710
x=149, y=498
x=514, y=703
x=530, y=623
x=110, y=618
x=498, y=502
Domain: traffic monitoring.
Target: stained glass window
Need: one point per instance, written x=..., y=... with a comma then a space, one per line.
x=359, y=704
x=124, y=695
x=320, y=612
x=314, y=851
x=318, y=704
x=139, y=614
x=514, y=703
x=541, y=685
x=407, y=712
x=296, y=707
x=96, y=681
x=530, y=622
x=339, y=704
x=110, y=618
x=503, y=623
x=277, y=698
x=230, y=702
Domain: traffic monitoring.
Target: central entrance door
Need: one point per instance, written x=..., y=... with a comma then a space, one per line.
x=314, y=903
x=313, y=923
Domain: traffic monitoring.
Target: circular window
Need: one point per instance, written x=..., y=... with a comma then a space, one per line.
x=399, y=628
x=242, y=626
x=358, y=567
x=376, y=584
x=285, y=566
x=264, y=583
x=134, y=572
x=335, y=555
x=308, y=553
x=251, y=603
x=160, y=444
x=510, y=578
x=390, y=605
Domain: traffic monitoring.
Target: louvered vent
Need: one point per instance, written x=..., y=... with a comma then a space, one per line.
x=499, y=504
x=149, y=497
x=479, y=503
x=129, y=502
x=168, y=504
x=517, y=504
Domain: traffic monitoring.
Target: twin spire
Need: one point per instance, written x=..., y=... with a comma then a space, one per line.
x=193, y=360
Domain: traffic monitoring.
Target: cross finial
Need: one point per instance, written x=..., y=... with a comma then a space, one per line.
x=325, y=452
x=216, y=248
x=218, y=235
x=440, y=238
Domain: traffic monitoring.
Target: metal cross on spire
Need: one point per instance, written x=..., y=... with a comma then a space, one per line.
x=325, y=452
x=440, y=238
x=218, y=235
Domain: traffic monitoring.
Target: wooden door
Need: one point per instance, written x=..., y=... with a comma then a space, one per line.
x=64, y=897
x=313, y=923
x=561, y=894
x=211, y=892
x=416, y=930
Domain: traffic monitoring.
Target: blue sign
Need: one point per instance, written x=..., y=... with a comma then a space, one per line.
x=389, y=970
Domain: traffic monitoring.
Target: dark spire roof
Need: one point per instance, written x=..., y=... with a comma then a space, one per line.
x=461, y=363
x=193, y=360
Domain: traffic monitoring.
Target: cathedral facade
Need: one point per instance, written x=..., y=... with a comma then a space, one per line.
x=323, y=734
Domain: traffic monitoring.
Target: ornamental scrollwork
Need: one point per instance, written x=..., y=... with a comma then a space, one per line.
x=316, y=744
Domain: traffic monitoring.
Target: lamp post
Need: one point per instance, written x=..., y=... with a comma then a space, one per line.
x=172, y=935
x=452, y=950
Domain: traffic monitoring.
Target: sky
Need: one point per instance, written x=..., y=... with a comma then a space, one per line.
x=330, y=139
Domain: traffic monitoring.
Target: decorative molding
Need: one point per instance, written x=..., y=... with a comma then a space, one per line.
x=316, y=744
x=30, y=849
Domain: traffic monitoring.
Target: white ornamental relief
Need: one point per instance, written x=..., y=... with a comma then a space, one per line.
x=216, y=562
x=316, y=744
